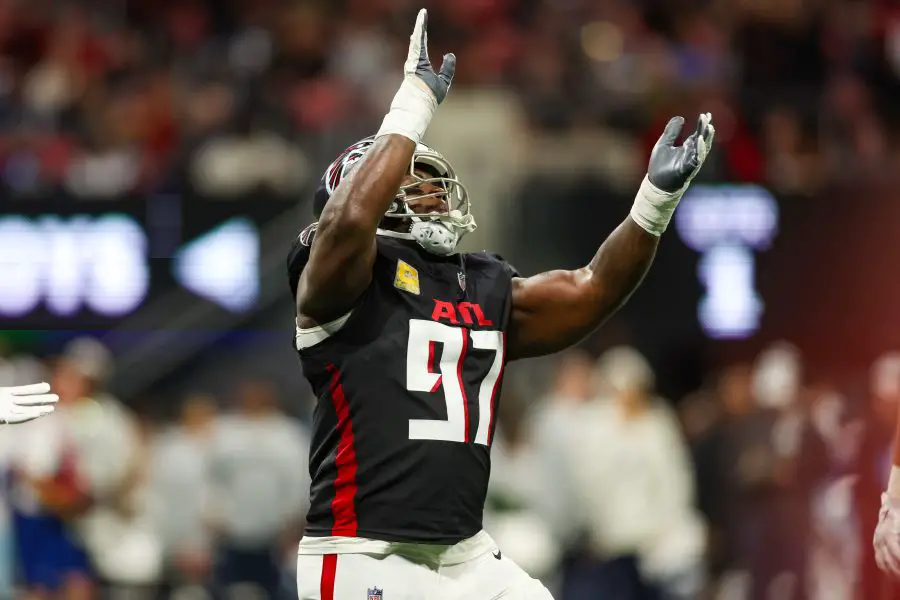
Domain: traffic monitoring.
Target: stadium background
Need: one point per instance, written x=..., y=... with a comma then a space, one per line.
x=157, y=158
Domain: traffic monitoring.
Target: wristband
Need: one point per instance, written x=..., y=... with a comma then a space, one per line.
x=410, y=113
x=653, y=208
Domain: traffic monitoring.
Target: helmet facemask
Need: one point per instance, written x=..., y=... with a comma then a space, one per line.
x=440, y=230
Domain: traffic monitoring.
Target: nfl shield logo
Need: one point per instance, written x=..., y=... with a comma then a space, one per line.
x=461, y=278
x=374, y=594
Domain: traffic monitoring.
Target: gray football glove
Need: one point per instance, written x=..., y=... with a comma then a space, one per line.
x=670, y=172
x=418, y=65
x=672, y=167
x=422, y=89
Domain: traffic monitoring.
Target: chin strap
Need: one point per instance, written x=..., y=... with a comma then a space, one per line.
x=435, y=236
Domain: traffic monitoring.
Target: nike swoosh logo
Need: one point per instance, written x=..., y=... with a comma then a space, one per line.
x=497, y=555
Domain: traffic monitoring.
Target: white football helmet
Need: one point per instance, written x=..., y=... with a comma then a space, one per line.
x=438, y=232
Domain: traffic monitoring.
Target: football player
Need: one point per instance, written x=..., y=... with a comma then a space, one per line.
x=23, y=403
x=404, y=342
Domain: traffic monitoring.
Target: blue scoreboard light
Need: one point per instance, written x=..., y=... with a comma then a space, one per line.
x=72, y=264
x=726, y=225
x=72, y=267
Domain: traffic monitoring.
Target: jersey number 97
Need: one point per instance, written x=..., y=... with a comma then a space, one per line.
x=423, y=375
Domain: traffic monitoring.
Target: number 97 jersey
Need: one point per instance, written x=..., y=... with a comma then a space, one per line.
x=407, y=386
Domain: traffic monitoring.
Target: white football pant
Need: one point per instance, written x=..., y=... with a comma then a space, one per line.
x=472, y=570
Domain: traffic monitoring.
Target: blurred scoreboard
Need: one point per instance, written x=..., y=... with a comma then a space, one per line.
x=91, y=264
x=69, y=264
x=727, y=225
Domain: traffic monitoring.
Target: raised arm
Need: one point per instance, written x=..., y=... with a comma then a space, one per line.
x=340, y=263
x=554, y=310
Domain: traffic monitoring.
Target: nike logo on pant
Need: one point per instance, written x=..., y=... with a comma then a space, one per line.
x=497, y=554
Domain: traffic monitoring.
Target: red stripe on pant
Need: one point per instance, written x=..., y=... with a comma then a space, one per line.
x=329, y=571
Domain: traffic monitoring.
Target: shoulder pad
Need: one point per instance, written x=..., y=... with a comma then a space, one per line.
x=508, y=268
x=493, y=257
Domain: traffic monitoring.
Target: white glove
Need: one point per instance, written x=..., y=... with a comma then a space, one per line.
x=887, y=536
x=422, y=89
x=26, y=402
x=670, y=172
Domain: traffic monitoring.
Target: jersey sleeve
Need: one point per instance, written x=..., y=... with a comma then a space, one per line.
x=299, y=256
x=509, y=270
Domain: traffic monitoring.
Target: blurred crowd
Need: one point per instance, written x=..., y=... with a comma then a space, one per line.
x=104, y=98
x=99, y=502
x=762, y=485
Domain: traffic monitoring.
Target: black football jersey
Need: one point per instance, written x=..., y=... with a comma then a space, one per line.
x=407, y=394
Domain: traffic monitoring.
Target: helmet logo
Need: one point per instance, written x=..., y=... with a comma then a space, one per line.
x=339, y=167
x=306, y=236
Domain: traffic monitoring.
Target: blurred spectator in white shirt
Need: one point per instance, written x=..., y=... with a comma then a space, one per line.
x=635, y=485
x=553, y=421
x=111, y=460
x=515, y=489
x=551, y=424
x=72, y=491
x=182, y=492
x=260, y=477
